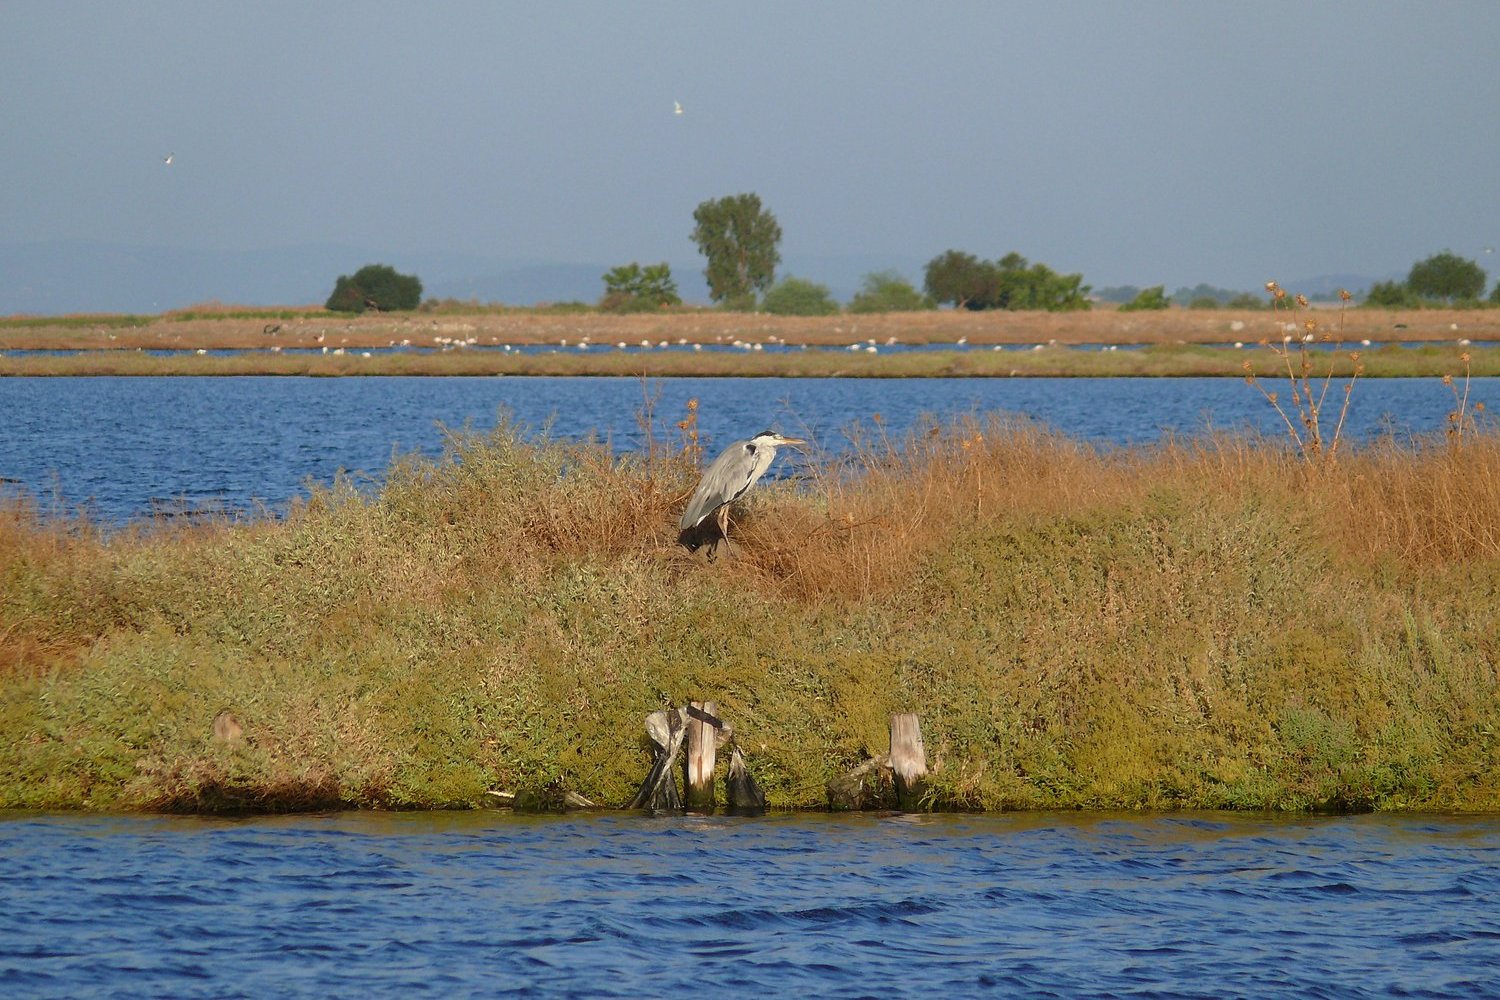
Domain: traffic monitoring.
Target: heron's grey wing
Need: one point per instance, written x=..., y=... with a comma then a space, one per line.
x=724, y=480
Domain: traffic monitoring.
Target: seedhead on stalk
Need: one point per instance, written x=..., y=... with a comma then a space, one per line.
x=1309, y=390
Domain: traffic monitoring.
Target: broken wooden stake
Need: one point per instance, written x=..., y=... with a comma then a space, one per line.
x=659, y=790
x=745, y=796
x=908, y=760
x=703, y=728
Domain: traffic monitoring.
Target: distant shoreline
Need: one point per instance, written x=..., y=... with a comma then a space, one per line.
x=1176, y=343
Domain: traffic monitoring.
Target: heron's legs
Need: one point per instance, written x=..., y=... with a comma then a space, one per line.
x=721, y=518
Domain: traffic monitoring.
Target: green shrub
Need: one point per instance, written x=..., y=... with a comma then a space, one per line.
x=799, y=297
x=1390, y=295
x=887, y=291
x=632, y=288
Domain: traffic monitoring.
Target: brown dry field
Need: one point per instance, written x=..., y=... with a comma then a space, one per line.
x=316, y=328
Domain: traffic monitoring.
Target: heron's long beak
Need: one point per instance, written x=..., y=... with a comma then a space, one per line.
x=787, y=440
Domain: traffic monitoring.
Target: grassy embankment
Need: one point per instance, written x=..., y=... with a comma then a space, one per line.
x=1210, y=624
x=1175, y=338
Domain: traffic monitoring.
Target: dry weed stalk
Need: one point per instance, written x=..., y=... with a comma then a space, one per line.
x=1463, y=418
x=688, y=426
x=1308, y=389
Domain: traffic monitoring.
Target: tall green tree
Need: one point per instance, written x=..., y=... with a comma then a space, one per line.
x=962, y=279
x=1446, y=276
x=739, y=238
x=375, y=286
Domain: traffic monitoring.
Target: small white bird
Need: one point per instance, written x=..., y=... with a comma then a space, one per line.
x=676, y=107
x=168, y=159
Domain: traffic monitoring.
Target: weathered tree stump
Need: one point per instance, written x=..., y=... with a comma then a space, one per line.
x=745, y=796
x=908, y=760
x=861, y=787
x=659, y=790
x=703, y=729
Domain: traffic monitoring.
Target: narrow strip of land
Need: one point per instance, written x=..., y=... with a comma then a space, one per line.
x=1174, y=342
x=1049, y=361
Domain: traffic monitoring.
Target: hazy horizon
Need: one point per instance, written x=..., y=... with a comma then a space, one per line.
x=1147, y=144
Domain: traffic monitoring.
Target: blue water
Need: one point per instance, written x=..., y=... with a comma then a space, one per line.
x=121, y=446
x=375, y=905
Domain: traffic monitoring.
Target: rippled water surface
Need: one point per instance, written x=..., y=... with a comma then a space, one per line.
x=123, y=445
x=1196, y=905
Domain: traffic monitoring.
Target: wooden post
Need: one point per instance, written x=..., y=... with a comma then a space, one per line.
x=703, y=727
x=908, y=760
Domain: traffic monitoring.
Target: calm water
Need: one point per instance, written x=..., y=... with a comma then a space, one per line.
x=121, y=445
x=1196, y=905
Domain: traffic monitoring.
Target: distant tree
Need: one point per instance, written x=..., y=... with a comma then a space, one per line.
x=1390, y=295
x=1022, y=285
x=1246, y=300
x=1185, y=296
x=1204, y=302
x=1446, y=276
x=1154, y=297
x=798, y=297
x=632, y=288
x=377, y=287
x=961, y=279
x=887, y=291
x=739, y=238
x=1495, y=295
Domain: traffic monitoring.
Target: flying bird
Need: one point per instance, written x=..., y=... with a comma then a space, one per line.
x=168, y=159
x=676, y=107
x=706, y=519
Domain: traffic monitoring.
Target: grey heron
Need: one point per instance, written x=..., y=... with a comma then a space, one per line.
x=735, y=470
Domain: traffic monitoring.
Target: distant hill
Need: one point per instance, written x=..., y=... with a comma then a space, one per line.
x=79, y=276
x=1322, y=285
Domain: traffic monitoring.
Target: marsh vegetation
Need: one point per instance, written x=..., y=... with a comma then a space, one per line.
x=1221, y=622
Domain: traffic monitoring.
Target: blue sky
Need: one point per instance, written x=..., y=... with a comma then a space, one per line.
x=1138, y=143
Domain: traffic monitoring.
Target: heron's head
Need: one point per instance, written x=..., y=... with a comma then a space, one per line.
x=774, y=439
